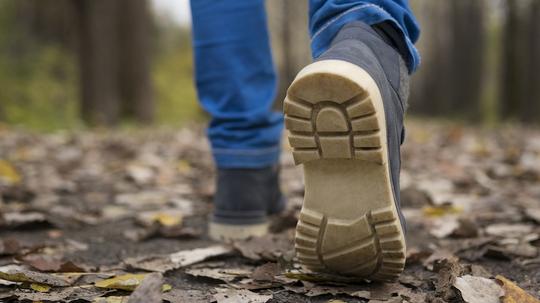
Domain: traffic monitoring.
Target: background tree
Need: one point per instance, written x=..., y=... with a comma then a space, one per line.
x=114, y=60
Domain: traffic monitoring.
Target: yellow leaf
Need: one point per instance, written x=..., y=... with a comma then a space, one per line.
x=167, y=219
x=513, y=293
x=111, y=299
x=166, y=287
x=8, y=172
x=442, y=210
x=124, y=282
x=183, y=167
x=40, y=287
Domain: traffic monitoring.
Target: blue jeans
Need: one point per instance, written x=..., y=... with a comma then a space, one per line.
x=235, y=75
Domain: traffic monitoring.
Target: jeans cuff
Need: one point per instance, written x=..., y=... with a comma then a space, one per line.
x=367, y=13
x=246, y=158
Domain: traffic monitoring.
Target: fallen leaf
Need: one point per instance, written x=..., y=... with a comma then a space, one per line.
x=140, y=174
x=125, y=282
x=9, y=246
x=8, y=173
x=448, y=270
x=442, y=210
x=40, y=287
x=509, y=230
x=149, y=291
x=50, y=263
x=268, y=247
x=221, y=274
x=17, y=219
x=444, y=227
x=188, y=257
x=413, y=197
x=513, y=293
x=438, y=255
x=111, y=299
x=266, y=272
x=170, y=217
x=239, y=296
x=467, y=228
x=179, y=259
x=17, y=273
x=478, y=290
x=66, y=294
x=533, y=214
x=156, y=230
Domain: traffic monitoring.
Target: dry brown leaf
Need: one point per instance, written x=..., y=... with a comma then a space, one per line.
x=478, y=289
x=19, y=219
x=509, y=230
x=179, y=259
x=61, y=294
x=514, y=293
x=188, y=257
x=150, y=290
x=534, y=214
x=222, y=274
x=9, y=246
x=268, y=247
x=50, y=263
x=17, y=273
x=266, y=272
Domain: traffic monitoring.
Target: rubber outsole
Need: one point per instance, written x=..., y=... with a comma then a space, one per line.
x=336, y=126
x=229, y=232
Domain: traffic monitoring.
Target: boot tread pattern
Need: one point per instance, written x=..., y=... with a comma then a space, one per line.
x=374, y=250
x=332, y=130
x=335, y=113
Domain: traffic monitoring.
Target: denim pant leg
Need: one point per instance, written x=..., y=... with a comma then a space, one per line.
x=236, y=81
x=328, y=16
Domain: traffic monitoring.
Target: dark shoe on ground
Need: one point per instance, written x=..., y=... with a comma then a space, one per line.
x=244, y=199
x=344, y=114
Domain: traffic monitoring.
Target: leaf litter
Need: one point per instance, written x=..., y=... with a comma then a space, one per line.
x=126, y=211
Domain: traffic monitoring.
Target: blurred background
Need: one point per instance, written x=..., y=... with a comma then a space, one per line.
x=83, y=63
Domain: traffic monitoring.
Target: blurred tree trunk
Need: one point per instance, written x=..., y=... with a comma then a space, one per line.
x=521, y=92
x=534, y=66
x=98, y=53
x=467, y=53
x=515, y=61
x=135, y=60
x=288, y=23
x=449, y=81
x=114, y=61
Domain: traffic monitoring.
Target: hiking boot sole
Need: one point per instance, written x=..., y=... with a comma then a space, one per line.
x=336, y=126
x=228, y=232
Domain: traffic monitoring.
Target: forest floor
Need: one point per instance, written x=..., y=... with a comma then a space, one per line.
x=112, y=216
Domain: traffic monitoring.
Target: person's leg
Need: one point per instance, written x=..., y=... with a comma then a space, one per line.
x=236, y=85
x=327, y=17
x=236, y=81
x=344, y=114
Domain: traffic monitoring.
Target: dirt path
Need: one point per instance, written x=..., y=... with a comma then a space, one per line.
x=109, y=204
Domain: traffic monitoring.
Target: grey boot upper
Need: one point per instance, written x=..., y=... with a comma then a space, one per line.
x=361, y=45
x=247, y=196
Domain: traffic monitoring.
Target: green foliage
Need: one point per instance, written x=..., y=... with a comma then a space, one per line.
x=173, y=79
x=39, y=78
x=41, y=92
